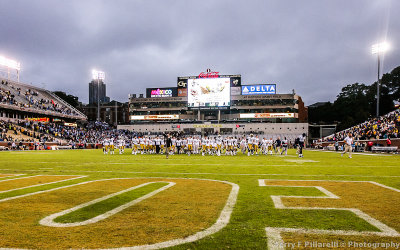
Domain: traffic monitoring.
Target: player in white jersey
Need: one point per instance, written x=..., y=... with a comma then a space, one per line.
x=152, y=145
x=121, y=145
x=250, y=144
x=225, y=145
x=284, y=146
x=264, y=146
x=218, y=141
x=157, y=143
x=213, y=146
x=302, y=139
x=235, y=145
x=229, y=146
x=173, y=146
x=208, y=144
x=135, y=145
x=196, y=145
x=178, y=145
x=147, y=145
x=190, y=141
x=162, y=150
x=203, y=145
x=270, y=145
x=142, y=143
x=184, y=145
x=106, y=146
x=256, y=142
x=243, y=145
x=112, y=146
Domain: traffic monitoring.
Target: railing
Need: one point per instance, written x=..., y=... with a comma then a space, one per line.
x=84, y=117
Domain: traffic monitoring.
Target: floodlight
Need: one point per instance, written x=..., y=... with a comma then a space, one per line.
x=98, y=75
x=380, y=47
x=10, y=63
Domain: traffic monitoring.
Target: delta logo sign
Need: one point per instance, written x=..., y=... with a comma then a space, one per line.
x=161, y=93
x=266, y=89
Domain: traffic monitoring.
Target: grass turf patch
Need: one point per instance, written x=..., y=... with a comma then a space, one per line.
x=102, y=207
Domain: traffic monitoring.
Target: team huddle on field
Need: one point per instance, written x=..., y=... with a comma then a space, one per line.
x=213, y=145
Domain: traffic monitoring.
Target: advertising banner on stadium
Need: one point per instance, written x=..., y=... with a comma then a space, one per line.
x=42, y=119
x=70, y=124
x=182, y=91
x=267, y=115
x=161, y=92
x=154, y=117
x=207, y=126
x=236, y=91
x=266, y=89
x=209, y=92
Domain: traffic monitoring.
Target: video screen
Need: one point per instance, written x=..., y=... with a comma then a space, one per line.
x=209, y=92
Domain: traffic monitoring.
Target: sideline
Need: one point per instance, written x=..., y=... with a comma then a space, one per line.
x=242, y=174
x=354, y=153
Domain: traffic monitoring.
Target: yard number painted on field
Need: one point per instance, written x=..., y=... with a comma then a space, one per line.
x=377, y=204
x=114, y=213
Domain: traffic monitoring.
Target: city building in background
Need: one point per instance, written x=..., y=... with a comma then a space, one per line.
x=97, y=90
x=113, y=112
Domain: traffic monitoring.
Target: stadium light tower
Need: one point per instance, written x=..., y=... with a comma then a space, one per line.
x=379, y=49
x=10, y=64
x=98, y=75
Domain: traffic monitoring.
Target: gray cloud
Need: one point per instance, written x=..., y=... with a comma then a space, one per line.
x=315, y=47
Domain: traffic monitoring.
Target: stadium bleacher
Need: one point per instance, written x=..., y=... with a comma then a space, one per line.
x=23, y=97
x=383, y=127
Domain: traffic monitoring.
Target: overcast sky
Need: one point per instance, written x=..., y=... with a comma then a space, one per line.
x=313, y=46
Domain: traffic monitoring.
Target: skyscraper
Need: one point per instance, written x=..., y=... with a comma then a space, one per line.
x=96, y=88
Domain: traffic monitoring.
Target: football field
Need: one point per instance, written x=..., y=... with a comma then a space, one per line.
x=84, y=199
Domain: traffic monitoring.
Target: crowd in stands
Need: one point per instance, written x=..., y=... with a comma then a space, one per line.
x=91, y=133
x=94, y=133
x=29, y=98
x=383, y=127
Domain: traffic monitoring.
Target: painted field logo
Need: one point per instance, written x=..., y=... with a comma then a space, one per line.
x=116, y=213
x=377, y=207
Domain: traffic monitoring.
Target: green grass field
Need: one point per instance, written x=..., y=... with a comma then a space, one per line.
x=253, y=212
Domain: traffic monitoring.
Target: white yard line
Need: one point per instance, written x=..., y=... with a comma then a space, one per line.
x=26, y=177
x=221, y=222
x=275, y=240
x=10, y=175
x=49, y=220
x=38, y=185
x=43, y=191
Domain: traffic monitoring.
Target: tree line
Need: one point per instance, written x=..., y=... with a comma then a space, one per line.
x=356, y=102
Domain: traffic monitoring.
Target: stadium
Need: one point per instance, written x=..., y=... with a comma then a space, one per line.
x=218, y=159
x=193, y=107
